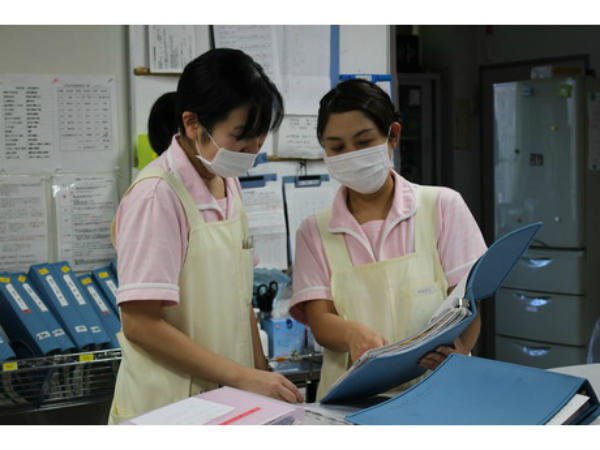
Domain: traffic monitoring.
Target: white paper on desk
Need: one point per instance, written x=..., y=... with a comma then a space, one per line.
x=266, y=223
x=258, y=41
x=23, y=223
x=594, y=131
x=297, y=138
x=85, y=207
x=303, y=202
x=191, y=411
x=27, y=124
x=171, y=47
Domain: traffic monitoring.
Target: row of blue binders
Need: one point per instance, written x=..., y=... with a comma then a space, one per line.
x=51, y=310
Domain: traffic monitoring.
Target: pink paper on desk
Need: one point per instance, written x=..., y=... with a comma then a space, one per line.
x=252, y=409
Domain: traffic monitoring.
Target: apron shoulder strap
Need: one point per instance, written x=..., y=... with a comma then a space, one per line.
x=191, y=211
x=333, y=243
x=426, y=218
x=239, y=206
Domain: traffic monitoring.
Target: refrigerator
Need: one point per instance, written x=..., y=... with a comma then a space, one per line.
x=544, y=148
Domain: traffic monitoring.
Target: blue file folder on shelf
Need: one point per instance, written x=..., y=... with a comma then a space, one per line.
x=382, y=369
x=105, y=278
x=24, y=287
x=95, y=297
x=43, y=280
x=6, y=352
x=73, y=289
x=467, y=390
x=28, y=332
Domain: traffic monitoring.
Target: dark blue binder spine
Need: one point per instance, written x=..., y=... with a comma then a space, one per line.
x=44, y=282
x=108, y=284
x=27, y=291
x=22, y=323
x=95, y=297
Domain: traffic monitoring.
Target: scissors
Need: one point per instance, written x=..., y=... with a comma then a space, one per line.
x=265, y=295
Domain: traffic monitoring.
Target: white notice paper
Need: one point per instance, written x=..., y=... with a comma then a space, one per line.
x=28, y=131
x=594, y=131
x=303, y=202
x=171, y=47
x=258, y=41
x=23, y=223
x=85, y=207
x=266, y=222
x=297, y=138
x=191, y=411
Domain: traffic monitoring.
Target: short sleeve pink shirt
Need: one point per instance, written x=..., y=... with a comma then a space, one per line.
x=152, y=231
x=459, y=241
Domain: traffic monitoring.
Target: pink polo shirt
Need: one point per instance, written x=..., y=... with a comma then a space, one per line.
x=459, y=241
x=152, y=231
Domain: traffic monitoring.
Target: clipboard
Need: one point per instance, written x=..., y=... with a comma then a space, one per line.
x=263, y=202
x=305, y=195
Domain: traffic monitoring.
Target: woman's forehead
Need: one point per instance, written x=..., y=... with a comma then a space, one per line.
x=347, y=124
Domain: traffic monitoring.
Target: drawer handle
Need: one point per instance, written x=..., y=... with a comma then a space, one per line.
x=533, y=302
x=537, y=263
x=534, y=351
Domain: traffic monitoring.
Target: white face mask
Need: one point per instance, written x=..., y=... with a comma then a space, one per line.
x=363, y=171
x=227, y=163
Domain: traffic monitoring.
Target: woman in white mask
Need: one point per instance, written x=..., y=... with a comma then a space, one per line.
x=185, y=260
x=373, y=268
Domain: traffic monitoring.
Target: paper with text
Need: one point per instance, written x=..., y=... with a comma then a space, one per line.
x=297, y=138
x=23, y=223
x=171, y=47
x=85, y=207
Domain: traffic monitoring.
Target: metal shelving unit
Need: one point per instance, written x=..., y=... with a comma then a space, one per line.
x=58, y=381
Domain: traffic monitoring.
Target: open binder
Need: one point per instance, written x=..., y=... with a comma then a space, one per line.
x=475, y=391
x=384, y=368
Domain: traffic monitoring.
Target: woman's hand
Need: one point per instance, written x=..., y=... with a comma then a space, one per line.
x=361, y=338
x=270, y=384
x=433, y=359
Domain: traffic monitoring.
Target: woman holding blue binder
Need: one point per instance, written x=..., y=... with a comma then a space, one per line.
x=373, y=268
x=184, y=254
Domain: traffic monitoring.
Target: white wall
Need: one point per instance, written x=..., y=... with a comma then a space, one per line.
x=78, y=50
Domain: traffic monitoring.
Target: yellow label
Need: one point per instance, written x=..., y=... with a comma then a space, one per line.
x=10, y=366
x=44, y=271
x=103, y=274
x=22, y=278
x=86, y=358
x=65, y=269
x=86, y=281
x=4, y=280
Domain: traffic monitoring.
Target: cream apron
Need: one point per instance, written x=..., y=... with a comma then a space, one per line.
x=214, y=310
x=396, y=297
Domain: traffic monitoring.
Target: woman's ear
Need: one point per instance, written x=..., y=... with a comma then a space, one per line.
x=191, y=125
x=395, y=131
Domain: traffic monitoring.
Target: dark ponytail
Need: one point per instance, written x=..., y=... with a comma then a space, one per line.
x=163, y=122
x=212, y=85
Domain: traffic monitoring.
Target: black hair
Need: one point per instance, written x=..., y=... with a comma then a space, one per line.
x=212, y=85
x=361, y=95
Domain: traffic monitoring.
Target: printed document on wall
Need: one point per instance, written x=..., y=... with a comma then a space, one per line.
x=297, y=138
x=23, y=222
x=85, y=207
x=266, y=222
x=27, y=116
x=52, y=122
x=594, y=131
x=258, y=41
x=303, y=202
x=171, y=47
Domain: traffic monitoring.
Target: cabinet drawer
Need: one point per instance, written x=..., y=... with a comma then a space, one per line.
x=537, y=354
x=558, y=318
x=559, y=271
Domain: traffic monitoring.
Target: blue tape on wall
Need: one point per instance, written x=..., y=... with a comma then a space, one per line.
x=334, y=52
